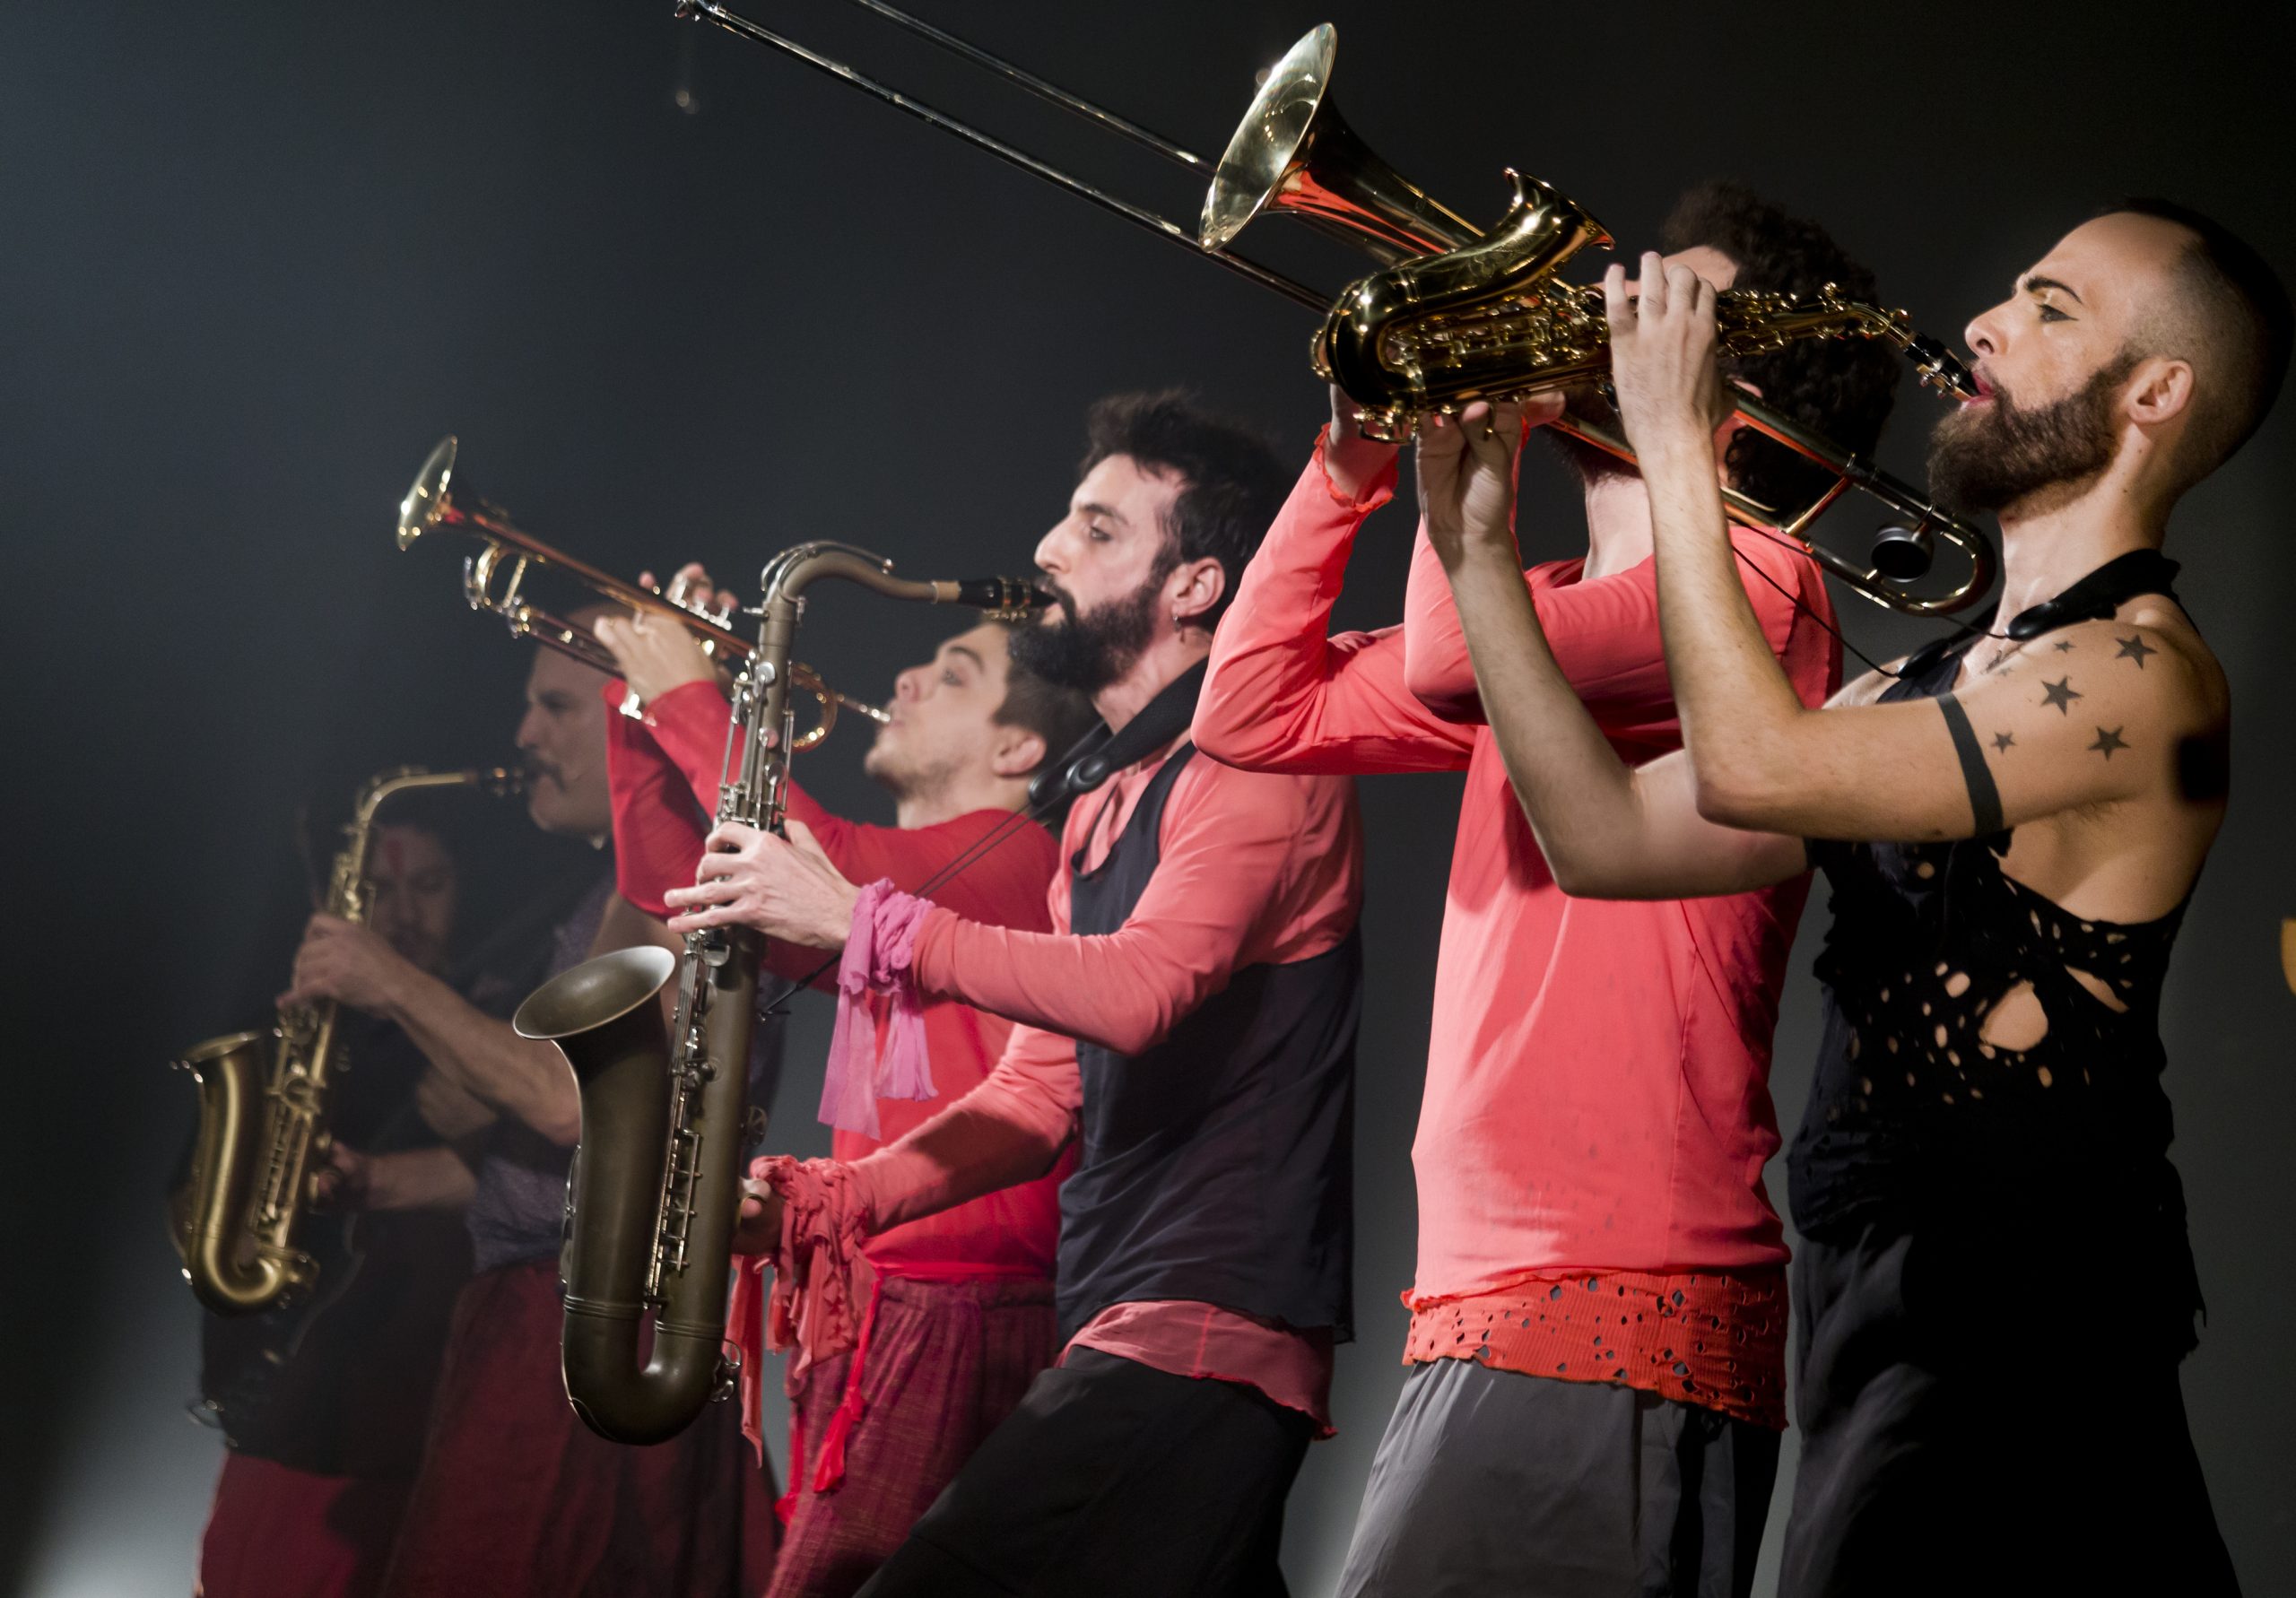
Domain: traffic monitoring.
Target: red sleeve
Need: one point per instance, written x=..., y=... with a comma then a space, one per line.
x=657, y=827
x=1034, y=1091
x=1283, y=696
x=1251, y=867
x=1604, y=635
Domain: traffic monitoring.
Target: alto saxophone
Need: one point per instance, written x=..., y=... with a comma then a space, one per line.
x=655, y=1187
x=263, y=1100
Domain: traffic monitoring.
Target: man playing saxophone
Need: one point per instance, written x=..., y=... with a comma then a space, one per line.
x=1995, y=1286
x=1597, y=1342
x=322, y=1403
x=962, y=1318
x=514, y=1496
x=1189, y=1020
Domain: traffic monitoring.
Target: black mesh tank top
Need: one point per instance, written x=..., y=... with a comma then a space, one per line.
x=1913, y=1120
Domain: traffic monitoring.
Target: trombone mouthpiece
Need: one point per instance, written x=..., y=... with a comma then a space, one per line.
x=1940, y=368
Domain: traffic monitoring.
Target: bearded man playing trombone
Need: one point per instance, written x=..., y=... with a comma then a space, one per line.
x=1996, y=1286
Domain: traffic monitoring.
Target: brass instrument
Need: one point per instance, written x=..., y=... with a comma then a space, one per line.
x=1456, y=315
x=262, y=1125
x=656, y=1180
x=430, y=503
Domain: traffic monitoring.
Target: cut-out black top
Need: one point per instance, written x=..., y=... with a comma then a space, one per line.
x=1913, y=1120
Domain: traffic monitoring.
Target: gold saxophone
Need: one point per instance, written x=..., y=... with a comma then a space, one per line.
x=651, y=1201
x=262, y=1125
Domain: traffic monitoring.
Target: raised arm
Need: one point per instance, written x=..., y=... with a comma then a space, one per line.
x=1282, y=694
x=1607, y=830
x=2090, y=715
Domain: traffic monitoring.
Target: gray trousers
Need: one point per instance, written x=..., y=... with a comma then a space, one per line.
x=1490, y=1482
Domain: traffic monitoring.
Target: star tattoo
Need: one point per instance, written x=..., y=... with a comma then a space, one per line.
x=2109, y=742
x=2134, y=649
x=2002, y=741
x=2063, y=646
x=2061, y=694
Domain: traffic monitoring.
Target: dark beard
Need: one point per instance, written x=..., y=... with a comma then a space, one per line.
x=1087, y=652
x=1992, y=456
x=1588, y=462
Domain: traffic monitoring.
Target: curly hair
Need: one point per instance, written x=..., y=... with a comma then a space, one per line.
x=1232, y=485
x=1841, y=388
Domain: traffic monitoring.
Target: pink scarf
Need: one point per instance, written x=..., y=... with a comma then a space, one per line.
x=877, y=956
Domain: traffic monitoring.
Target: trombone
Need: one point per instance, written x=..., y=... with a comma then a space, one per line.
x=1294, y=154
x=508, y=551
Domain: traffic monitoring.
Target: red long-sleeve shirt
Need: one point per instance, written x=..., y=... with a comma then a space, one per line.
x=664, y=776
x=1597, y=1097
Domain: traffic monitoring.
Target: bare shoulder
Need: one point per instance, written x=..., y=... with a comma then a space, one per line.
x=2154, y=621
x=2147, y=657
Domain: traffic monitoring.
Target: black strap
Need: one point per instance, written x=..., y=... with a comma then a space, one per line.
x=2095, y=597
x=1160, y=720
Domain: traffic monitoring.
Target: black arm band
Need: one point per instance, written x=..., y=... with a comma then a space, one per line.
x=1985, y=798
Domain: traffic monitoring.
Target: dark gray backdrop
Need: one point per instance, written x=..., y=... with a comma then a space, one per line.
x=256, y=258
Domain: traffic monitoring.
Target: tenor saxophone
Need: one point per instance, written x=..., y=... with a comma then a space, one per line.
x=655, y=1185
x=263, y=1099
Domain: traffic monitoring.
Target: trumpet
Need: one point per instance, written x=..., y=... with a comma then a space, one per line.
x=494, y=581
x=651, y=1202
x=1456, y=315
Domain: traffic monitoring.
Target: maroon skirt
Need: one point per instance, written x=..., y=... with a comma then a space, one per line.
x=941, y=1364
x=276, y=1532
x=517, y=1498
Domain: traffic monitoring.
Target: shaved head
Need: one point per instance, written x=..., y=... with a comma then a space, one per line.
x=2220, y=309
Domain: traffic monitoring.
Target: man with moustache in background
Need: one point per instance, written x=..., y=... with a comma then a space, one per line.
x=515, y=1496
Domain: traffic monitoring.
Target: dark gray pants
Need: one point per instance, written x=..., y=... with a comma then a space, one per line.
x=1976, y=1424
x=1112, y=1481
x=1490, y=1482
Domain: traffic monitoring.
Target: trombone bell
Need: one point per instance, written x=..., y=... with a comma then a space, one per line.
x=1294, y=153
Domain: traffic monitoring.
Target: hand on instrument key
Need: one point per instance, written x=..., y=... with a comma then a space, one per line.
x=1467, y=475
x=785, y=888
x=344, y=1181
x=758, y=1227
x=349, y=963
x=654, y=652
x=1663, y=362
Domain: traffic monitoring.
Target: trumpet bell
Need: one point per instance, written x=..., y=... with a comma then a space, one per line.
x=426, y=501
x=1295, y=154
